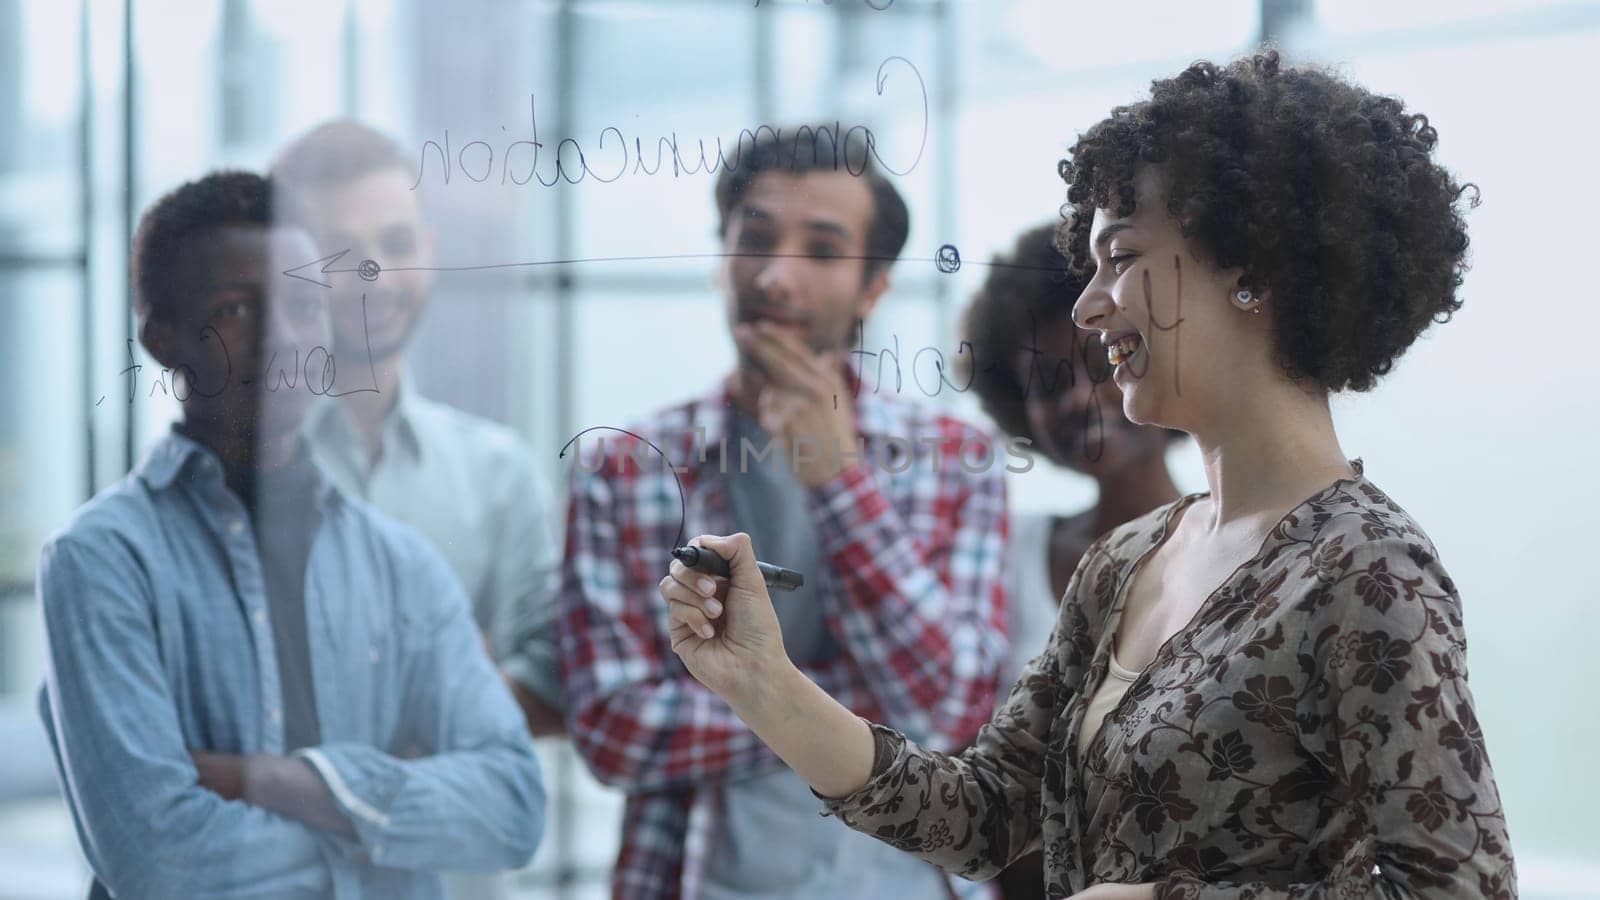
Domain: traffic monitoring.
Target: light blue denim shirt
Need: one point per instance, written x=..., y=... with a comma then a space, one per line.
x=159, y=643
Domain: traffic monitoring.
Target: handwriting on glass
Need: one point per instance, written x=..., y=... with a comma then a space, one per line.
x=848, y=148
x=316, y=369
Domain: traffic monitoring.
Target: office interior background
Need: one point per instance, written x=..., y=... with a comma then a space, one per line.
x=1485, y=432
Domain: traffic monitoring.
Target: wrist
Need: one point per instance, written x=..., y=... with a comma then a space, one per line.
x=771, y=688
x=253, y=778
x=826, y=744
x=261, y=776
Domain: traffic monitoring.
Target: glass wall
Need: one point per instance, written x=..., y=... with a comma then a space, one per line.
x=612, y=310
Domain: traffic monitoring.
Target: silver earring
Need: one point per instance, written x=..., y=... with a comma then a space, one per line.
x=1249, y=301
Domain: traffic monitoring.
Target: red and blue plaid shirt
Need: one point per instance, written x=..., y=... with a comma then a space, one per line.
x=912, y=542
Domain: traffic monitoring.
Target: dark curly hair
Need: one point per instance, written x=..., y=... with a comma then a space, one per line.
x=1325, y=195
x=1028, y=290
x=818, y=148
x=220, y=198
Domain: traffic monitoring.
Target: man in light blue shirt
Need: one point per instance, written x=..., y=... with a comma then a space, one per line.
x=256, y=685
x=467, y=484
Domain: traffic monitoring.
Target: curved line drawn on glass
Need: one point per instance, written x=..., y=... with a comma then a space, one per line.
x=683, y=503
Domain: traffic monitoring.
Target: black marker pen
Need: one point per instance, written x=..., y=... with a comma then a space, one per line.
x=706, y=562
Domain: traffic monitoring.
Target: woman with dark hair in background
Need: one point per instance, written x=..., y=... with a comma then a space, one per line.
x=1044, y=379
x=1256, y=237
x=1050, y=385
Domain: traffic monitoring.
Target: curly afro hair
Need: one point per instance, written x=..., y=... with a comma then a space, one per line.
x=1027, y=291
x=1322, y=193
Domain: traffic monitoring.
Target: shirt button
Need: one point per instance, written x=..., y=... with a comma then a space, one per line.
x=236, y=527
x=276, y=715
x=373, y=655
x=261, y=617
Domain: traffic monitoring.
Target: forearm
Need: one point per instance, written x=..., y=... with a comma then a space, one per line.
x=917, y=798
x=668, y=735
x=822, y=741
x=156, y=842
x=481, y=808
x=290, y=787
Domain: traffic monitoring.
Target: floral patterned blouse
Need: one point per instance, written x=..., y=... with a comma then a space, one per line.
x=1309, y=733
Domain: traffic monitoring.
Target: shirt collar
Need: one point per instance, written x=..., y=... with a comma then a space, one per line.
x=174, y=452
x=331, y=424
x=160, y=465
x=402, y=422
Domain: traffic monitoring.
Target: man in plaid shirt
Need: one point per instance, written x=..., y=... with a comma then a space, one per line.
x=894, y=513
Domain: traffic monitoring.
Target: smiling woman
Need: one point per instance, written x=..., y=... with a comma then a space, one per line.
x=1254, y=237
